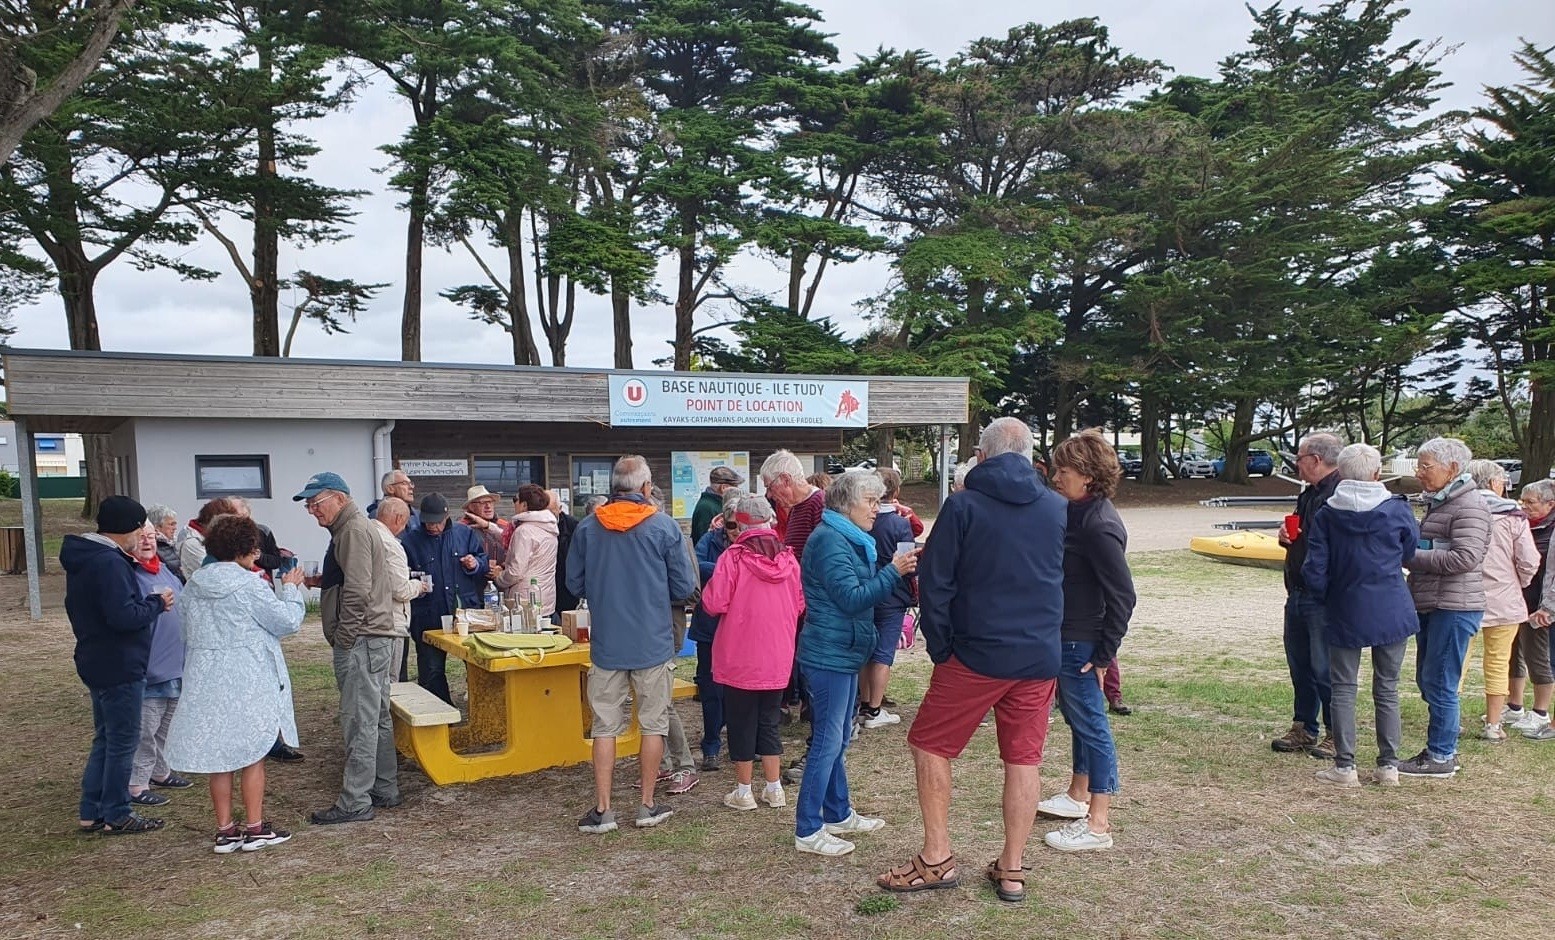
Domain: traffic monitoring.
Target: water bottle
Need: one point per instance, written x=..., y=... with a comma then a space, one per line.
x=493, y=600
x=534, y=602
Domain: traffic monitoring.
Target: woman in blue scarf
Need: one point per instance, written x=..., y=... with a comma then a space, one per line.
x=841, y=588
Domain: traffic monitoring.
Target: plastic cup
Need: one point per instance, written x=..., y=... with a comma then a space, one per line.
x=463, y=626
x=310, y=568
x=448, y=623
x=905, y=548
x=1292, y=526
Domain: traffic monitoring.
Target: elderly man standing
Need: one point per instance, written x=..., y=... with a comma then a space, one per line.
x=453, y=555
x=389, y=521
x=800, y=507
x=1446, y=580
x=357, y=608
x=720, y=480
x=990, y=588
x=1306, y=651
x=397, y=484
x=629, y=562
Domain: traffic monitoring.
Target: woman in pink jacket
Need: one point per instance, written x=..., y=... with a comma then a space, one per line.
x=531, y=555
x=756, y=588
x=1509, y=566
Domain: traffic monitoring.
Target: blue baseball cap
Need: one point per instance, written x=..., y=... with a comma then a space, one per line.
x=320, y=482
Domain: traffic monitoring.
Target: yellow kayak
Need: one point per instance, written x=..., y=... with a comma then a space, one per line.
x=1257, y=549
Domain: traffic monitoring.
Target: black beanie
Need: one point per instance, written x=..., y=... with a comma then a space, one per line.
x=120, y=515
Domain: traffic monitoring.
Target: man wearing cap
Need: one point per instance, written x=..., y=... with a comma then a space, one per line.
x=455, y=558
x=357, y=608
x=112, y=620
x=720, y=481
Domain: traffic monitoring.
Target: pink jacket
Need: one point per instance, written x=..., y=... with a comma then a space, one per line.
x=757, y=590
x=531, y=554
x=1510, y=563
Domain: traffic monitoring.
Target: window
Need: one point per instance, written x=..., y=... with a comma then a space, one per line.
x=590, y=477
x=506, y=474
x=247, y=476
x=50, y=445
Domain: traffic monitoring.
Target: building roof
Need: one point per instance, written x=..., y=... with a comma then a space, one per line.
x=93, y=392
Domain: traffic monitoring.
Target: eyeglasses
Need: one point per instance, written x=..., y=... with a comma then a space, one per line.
x=313, y=504
x=1301, y=457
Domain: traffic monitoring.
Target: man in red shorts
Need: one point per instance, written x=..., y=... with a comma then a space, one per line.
x=990, y=588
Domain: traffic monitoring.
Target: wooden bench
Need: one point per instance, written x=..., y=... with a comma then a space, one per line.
x=419, y=708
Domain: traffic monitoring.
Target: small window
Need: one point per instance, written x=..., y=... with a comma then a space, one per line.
x=506, y=474
x=247, y=476
x=51, y=445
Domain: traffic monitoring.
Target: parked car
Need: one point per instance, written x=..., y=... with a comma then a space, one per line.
x=1260, y=463
x=1514, y=472
x=1195, y=465
x=1132, y=465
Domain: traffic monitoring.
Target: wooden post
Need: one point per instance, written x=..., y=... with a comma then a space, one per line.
x=947, y=465
x=32, y=514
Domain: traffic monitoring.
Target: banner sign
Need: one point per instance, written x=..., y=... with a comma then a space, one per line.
x=435, y=468
x=649, y=400
x=689, y=470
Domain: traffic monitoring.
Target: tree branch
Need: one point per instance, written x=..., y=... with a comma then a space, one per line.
x=232, y=249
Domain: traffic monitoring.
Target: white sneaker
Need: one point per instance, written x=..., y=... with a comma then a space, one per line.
x=1339, y=776
x=1529, y=720
x=823, y=843
x=881, y=719
x=1492, y=732
x=1078, y=837
x=855, y=823
x=1385, y=776
x=1063, y=806
x=734, y=799
x=776, y=799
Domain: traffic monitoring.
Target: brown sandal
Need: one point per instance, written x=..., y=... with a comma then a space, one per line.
x=999, y=875
x=918, y=875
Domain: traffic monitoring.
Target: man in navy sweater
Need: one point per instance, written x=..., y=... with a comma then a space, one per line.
x=112, y=621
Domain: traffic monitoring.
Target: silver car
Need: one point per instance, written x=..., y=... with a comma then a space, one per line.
x=1195, y=465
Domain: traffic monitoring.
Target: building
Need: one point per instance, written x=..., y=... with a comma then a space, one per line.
x=182, y=430
x=56, y=455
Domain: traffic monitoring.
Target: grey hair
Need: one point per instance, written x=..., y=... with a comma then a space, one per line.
x=1485, y=472
x=1324, y=446
x=388, y=478
x=1359, y=462
x=731, y=497
x=392, y=507
x=656, y=497
x=757, y=507
x=1006, y=436
x=158, y=514
x=1541, y=490
x=630, y=475
x=781, y=463
x=852, y=488
x=1448, y=451
x=958, y=481
x=593, y=503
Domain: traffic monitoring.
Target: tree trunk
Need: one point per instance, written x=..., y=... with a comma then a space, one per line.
x=796, y=272
x=621, y=316
x=1539, y=441
x=410, y=313
x=1150, y=472
x=885, y=447
x=685, y=303
x=77, y=281
x=265, y=291
x=525, y=353
x=1241, y=435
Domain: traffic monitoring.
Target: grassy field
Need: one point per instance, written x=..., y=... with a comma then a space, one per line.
x=1217, y=836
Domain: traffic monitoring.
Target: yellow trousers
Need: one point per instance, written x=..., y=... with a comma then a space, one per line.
x=1496, y=644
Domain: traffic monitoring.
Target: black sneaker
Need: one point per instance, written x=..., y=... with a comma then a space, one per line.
x=171, y=782
x=596, y=822
x=650, y=816
x=1118, y=708
x=711, y=762
x=387, y=802
x=147, y=798
x=1421, y=765
x=255, y=839
x=229, y=840
x=334, y=816
x=284, y=752
x=794, y=775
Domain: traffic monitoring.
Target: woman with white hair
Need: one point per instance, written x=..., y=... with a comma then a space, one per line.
x=1357, y=546
x=842, y=585
x=165, y=521
x=1531, y=654
x=1449, y=593
x=756, y=589
x=1510, y=563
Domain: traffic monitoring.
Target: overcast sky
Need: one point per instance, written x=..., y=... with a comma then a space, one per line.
x=156, y=312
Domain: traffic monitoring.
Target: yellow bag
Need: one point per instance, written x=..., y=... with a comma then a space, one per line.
x=530, y=647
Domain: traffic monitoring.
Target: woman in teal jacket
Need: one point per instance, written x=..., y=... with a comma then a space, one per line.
x=841, y=587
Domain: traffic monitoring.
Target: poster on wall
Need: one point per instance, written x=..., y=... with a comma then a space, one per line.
x=689, y=470
x=650, y=400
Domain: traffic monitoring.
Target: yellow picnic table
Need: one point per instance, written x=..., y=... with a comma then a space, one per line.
x=523, y=716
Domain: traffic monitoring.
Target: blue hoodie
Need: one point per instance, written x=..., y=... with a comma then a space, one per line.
x=991, y=577
x=1357, y=546
x=109, y=614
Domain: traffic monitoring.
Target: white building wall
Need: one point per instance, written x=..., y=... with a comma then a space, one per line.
x=165, y=448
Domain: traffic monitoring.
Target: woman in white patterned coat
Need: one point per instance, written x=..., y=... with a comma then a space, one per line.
x=237, y=693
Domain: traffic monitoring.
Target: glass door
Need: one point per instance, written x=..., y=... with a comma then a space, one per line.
x=590, y=478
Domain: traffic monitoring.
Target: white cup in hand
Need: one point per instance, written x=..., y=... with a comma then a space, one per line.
x=167, y=598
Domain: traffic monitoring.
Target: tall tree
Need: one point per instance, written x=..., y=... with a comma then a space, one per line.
x=47, y=49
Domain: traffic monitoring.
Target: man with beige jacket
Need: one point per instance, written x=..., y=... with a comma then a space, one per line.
x=391, y=518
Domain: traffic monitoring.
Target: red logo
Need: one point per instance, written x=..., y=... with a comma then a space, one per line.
x=848, y=406
x=635, y=393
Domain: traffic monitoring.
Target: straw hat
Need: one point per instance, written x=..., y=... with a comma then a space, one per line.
x=478, y=492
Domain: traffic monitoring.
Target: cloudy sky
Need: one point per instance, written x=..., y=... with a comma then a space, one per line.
x=155, y=311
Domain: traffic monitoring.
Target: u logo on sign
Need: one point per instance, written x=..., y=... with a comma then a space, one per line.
x=635, y=393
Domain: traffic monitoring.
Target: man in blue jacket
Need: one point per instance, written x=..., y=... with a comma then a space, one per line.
x=630, y=562
x=990, y=589
x=454, y=555
x=112, y=620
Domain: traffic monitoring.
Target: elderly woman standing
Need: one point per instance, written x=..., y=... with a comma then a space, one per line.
x=164, y=523
x=1510, y=564
x=164, y=675
x=1357, y=546
x=1449, y=594
x=756, y=589
x=237, y=692
x=531, y=553
x=191, y=545
x=1531, y=654
x=842, y=586
x=1098, y=601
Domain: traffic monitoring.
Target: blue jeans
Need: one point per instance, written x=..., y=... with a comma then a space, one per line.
x=712, y=699
x=1306, y=654
x=823, y=795
x=105, y=784
x=1441, y=646
x=431, y=665
x=1085, y=709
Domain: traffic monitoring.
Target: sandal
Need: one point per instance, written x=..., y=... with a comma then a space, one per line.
x=147, y=798
x=86, y=828
x=918, y=875
x=132, y=824
x=998, y=876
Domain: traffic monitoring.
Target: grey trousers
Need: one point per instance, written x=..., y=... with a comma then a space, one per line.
x=156, y=716
x=677, y=750
x=1344, y=666
x=372, y=769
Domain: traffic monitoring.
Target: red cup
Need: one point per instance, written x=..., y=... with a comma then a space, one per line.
x=1292, y=526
